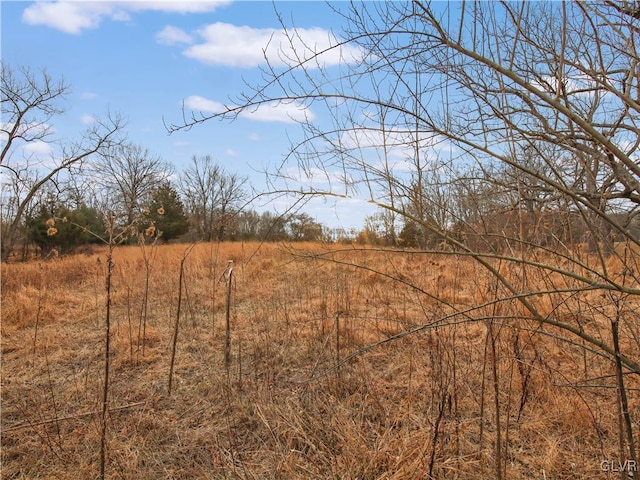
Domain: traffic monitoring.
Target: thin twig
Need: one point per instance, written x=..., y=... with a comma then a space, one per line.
x=177, y=324
x=68, y=417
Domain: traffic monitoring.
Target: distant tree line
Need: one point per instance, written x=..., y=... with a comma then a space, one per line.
x=203, y=203
x=163, y=217
x=486, y=212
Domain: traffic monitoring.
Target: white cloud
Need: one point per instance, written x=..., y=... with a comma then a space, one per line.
x=244, y=46
x=396, y=146
x=318, y=178
x=333, y=212
x=37, y=150
x=576, y=84
x=393, y=151
x=174, y=6
x=392, y=145
x=27, y=130
x=290, y=112
x=230, y=152
x=65, y=16
x=77, y=15
x=88, y=95
x=201, y=104
x=286, y=112
x=254, y=137
x=173, y=35
x=87, y=119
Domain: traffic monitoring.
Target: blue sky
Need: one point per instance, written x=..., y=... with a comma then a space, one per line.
x=143, y=59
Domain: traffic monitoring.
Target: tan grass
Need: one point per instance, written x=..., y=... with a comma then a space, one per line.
x=288, y=411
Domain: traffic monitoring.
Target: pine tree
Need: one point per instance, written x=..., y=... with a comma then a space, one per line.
x=166, y=214
x=63, y=229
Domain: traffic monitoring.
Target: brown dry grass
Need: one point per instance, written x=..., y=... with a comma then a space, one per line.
x=286, y=411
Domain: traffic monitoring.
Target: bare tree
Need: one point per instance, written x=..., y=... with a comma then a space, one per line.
x=212, y=196
x=128, y=174
x=232, y=195
x=199, y=187
x=29, y=103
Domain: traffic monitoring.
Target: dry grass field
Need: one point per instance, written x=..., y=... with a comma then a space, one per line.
x=477, y=390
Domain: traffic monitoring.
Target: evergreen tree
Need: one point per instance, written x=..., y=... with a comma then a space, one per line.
x=63, y=229
x=165, y=214
x=411, y=235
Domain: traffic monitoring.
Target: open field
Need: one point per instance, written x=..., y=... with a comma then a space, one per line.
x=478, y=390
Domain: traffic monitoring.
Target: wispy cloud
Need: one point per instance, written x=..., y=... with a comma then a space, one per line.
x=87, y=119
x=76, y=15
x=201, y=104
x=290, y=112
x=37, y=150
x=317, y=178
x=26, y=129
x=230, y=152
x=88, y=95
x=172, y=36
x=396, y=148
x=246, y=47
x=286, y=112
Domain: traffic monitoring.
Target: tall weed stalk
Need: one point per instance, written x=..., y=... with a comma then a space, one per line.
x=107, y=347
x=174, y=343
x=147, y=258
x=228, y=277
